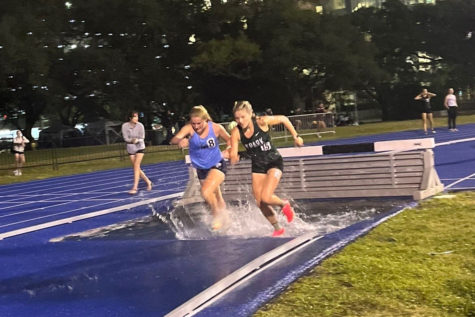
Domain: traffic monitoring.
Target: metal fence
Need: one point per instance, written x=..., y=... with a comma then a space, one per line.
x=305, y=124
x=53, y=156
x=56, y=157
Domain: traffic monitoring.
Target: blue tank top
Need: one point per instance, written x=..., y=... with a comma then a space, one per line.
x=205, y=152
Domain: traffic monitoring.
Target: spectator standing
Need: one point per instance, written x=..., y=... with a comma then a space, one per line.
x=133, y=133
x=450, y=103
x=19, y=151
x=425, y=97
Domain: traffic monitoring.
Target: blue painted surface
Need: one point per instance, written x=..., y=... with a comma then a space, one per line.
x=115, y=277
x=130, y=277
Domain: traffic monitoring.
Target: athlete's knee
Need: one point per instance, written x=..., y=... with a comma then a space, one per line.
x=266, y=198
x=207, y=193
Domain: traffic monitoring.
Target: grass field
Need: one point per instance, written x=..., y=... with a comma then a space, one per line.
x=419, y=263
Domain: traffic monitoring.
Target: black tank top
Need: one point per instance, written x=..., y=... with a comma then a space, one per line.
x=425, y=100
x=259, y=145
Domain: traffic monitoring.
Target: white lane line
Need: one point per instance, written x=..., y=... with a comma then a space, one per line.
x=85, y=216
x=450, y=143
x=92, y=180
x=91, y=186
x=107, y=184
x=95, y=194
x=460, y=180
x=60, y=204
x=455, y=141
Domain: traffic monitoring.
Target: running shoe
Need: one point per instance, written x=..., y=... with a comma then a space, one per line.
x=221, y=223
x=433, y=131
x=278, y=233
x=288, y=211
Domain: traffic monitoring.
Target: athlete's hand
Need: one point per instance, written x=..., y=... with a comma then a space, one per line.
x=298, y=141
x=184, y=143
x=225, y=154
x=133, y=141
x=234, y=159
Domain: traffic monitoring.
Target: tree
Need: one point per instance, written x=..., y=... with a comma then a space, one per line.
x=25, y=62
x=423, y=45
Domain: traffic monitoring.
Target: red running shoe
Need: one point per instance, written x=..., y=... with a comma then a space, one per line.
x=278, y=233
x=288, y=211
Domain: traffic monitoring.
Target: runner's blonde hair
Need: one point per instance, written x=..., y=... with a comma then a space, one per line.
x=200, y=111
x=242, y=105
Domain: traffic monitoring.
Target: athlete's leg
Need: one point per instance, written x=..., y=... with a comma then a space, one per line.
x=258, y=183
x=17, y=160
x=424, y=121
x=136, y=159
x=272, y=181
x=211, y=192
x=145, y=178
x=18, y=164
x=431, y=120
x=22, y=162
x=455, y=118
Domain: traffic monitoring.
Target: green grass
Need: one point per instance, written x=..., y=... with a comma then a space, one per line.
x=419, y=263
x=105, y=157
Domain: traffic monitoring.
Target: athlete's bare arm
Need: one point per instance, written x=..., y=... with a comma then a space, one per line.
x=180, y=138
x=233, y=152
x=274, y=120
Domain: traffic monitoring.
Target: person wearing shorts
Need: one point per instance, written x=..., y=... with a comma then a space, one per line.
x=202, y=136
x=267, y=163
x=133, y=133
x=19, y=152
x=425, y=97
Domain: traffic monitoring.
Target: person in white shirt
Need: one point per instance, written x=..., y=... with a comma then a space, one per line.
x=450, y=102
x=19, y=151
x=133, y=133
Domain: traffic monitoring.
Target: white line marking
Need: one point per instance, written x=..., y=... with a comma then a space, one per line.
x=455, y=141
x=59, y=213
x=460, y=180
x=85, y=216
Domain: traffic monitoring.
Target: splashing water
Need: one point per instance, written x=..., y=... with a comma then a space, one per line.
x=245, y=220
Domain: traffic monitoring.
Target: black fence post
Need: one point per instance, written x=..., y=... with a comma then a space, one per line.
x=122, y=153
x=54, y=159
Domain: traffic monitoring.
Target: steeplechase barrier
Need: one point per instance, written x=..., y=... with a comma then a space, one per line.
x=400, y=168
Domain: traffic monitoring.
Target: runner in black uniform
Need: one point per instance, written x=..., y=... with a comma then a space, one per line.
x=425, y=96
x=263, y=153
x=267, y=163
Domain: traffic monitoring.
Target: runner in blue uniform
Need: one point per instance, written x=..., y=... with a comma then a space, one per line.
x=267, y=163
x=202, y=135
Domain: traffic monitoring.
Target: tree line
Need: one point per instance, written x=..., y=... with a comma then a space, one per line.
x=81, y=60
